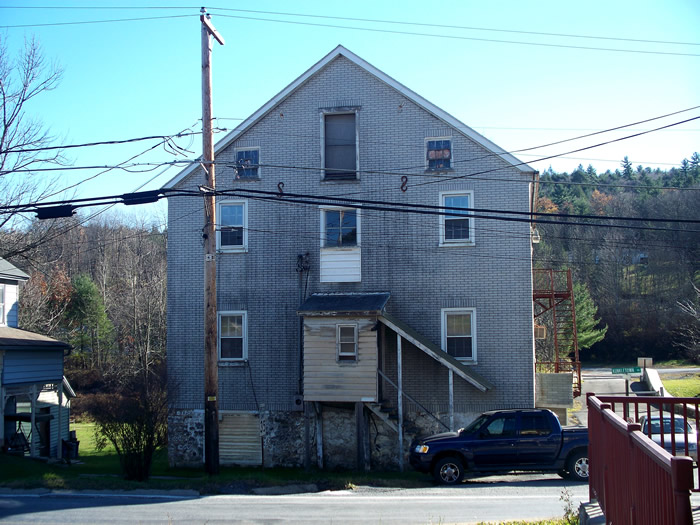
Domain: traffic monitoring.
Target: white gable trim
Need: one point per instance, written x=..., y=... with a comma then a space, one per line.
x=409, y=94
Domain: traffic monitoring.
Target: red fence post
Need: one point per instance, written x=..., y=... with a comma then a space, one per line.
x=682, y=479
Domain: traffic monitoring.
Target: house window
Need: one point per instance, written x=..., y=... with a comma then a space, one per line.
x=458, y=333
x=232, y=336
x=247, y=163
x=457, y=225
x=232, y=234
x=438, y=154
x=340, y=228
x=346, y=342
x=341, y=255
x=340, y=146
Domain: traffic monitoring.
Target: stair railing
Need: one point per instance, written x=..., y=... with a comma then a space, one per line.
x=412, y=400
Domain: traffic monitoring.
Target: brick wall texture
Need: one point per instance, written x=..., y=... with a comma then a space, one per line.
x=400, y=252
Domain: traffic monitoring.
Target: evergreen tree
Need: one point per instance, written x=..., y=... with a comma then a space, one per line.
x=94, y=332
x=587, y=325
x=627, y=172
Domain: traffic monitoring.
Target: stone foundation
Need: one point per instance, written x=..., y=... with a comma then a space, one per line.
x=186, y=438
x=284, y=441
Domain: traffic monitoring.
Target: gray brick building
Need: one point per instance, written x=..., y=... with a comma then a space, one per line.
x=337, y=307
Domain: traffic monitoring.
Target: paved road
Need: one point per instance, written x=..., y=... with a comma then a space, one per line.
x=492, y=499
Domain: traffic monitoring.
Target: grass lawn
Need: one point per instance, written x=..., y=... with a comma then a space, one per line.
x=100, y=470
x=688, y=386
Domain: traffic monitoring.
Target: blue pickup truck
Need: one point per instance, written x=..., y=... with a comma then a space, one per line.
x=504, y=441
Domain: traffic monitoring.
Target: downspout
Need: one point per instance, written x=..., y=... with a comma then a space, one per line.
x=303, y=265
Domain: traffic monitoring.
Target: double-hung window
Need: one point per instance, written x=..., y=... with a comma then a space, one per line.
x=346, y=342
x=340, y=146
x=247, y=163
x=456, y=224
x=232, y=233
x=438, y=154
x=459, y=333
x=232, y=336
x=340, y=228
x=341, y=256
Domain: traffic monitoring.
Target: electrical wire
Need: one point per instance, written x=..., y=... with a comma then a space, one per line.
x=459, y=37
x=84, y=22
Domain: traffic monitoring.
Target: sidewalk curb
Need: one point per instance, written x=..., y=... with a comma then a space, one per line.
x=145, y=493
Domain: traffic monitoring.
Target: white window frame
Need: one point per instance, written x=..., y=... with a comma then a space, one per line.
x=244, y=324
x=425, y=154
x=251, y=148
x=358, y=222
x=324, y=113
x=228, y=248
x=356, y=341
x=457, y=242
x=445, y=312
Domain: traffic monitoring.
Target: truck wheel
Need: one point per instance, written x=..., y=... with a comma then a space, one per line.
x=563, y=474
x=448, y=471
x=577, y=465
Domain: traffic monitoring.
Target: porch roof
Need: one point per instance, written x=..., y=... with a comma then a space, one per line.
x=424, y=344
x=16, y=339
x=360, y=304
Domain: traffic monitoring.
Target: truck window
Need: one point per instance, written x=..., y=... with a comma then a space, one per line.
x=500, y=427
x=535, y=425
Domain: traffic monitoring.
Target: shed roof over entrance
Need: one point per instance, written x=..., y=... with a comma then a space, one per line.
x=360, y=304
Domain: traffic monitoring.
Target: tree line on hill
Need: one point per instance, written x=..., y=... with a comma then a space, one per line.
x=642, y=278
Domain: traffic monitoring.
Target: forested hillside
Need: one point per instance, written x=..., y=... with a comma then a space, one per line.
x=100, y=286
x=636, y=274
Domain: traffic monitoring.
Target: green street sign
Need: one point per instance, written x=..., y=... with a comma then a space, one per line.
x=627, y=370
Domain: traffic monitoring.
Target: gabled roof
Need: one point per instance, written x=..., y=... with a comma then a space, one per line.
x=10, y=271
x=406, y=92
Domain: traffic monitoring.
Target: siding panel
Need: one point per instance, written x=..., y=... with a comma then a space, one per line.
x=326, y=379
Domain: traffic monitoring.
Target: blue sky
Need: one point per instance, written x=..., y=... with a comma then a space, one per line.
x=142, y=77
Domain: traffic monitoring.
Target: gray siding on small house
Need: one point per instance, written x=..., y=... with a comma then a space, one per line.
x=32, y=367
x=400, y=252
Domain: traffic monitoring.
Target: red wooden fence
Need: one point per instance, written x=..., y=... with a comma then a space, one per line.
x=634, y=480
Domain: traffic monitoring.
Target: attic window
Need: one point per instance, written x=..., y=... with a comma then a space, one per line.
x=340, y=146
x=247, y=163
x=438, y=154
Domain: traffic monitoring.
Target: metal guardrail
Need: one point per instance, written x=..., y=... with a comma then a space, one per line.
x=633, y=479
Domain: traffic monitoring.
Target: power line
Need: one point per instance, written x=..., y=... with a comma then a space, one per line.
x=570, y=152
x=383, y=21
x=84, y=22
x=469, y=28
x=458, y=37
x=101, y=143
x=390, y=31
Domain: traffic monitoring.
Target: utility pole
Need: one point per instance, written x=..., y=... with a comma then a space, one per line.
x=211, y=371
